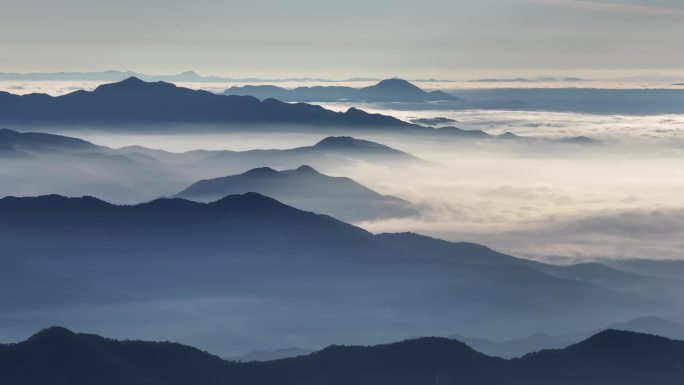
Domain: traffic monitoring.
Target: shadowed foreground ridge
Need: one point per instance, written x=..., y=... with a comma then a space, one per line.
x=250, y=245
x=60, y=357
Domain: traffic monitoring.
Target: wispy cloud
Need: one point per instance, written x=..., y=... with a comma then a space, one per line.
x=612, y=7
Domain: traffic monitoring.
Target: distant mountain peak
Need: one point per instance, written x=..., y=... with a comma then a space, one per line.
x=388, y=90
x=132, y=80
x=347, y=141
x=396, y=84
x=307, y=169
x=261, y=171
x=133, y=83
x=353, y=110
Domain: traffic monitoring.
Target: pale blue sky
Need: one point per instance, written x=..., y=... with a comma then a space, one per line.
x=428, y=38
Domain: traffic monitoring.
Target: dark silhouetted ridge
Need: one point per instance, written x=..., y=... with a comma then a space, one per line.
x=52, y=204
x=620, y=342
x=135, y=101
x=251, y=202
x=58, y=356
x=609, y=357
x=52, y=335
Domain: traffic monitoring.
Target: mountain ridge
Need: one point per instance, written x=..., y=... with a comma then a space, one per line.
x=306, y=188
x=59, y=356
x=388, y=90
x=542, y=341
x=135, y=101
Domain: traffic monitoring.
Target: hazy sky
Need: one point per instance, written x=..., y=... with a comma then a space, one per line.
x=332, y=38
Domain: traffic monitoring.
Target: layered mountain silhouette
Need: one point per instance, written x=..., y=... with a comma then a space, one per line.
x=36, y=141
x=330, y=153
x=389, y=90
x=338, y=146
x=133, y=101
x=306, y=189
x=46, y=163
x=278, y=354
x=41, y=163
x=59, y=356
x=541, y=341
x=610, y=357
x=255, y=247
x=652, y=325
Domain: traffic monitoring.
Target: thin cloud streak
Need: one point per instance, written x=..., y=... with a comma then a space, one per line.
x=610, y=7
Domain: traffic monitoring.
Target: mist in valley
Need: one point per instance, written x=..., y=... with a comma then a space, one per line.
x=538, y=198
x=567, y=188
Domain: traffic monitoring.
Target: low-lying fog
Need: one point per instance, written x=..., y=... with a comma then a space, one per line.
x=543, y=199
x=618, y=199
x=620, y=128
x=621, y=198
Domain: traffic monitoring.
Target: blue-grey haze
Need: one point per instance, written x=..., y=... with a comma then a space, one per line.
x=443, y=38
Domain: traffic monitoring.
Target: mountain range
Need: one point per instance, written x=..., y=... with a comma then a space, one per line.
x=187, y=76
x=306, y=189
x=43, y=163
x=340, y=147
x=515, y=347
x=278, y=354
x=389, y=90
x=60, y=357
x=40, y=163
x=264, y=252
x=133, y=104
x=542, y=341
x=133, y=101
x=332, y=151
